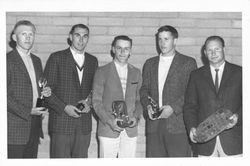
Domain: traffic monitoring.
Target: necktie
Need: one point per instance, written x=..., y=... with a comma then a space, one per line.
x=216, y=83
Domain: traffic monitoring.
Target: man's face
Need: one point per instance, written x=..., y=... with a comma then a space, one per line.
x=24, y=37
x=166, y=42
x=122, y=50
x=214, y=51
x=79, y=39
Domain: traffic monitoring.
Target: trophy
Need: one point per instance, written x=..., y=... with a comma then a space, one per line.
x=88, y=100
x=119, y=110
x=213, y=125
x=155, y=107
x=42, y=82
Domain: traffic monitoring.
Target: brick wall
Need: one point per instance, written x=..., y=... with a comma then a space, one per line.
x=193, y=28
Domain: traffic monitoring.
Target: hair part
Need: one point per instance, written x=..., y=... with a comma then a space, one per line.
x=167, y=28
x=78, y=26
x=24, y=23
x=215, y=38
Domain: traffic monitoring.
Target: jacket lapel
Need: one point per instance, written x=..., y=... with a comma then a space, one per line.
x=208, y=76
x=129, y=80
x=225, y=76
x=154, y=75
x=174, y=66
x=117, y=81
x=37, y=71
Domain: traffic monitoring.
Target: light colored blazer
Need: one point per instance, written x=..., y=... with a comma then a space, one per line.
x=107, y=88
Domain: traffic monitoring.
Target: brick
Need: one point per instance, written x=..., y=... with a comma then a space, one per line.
x=195, y=32
x=213, y=23
x=53, y=29
x=101, y=39
x=125, y=14
x=69, y=20
x=88, y=14
x=196, y=14
x=178, y=22
x=237, y=60
x=98, y=30
x=36, y=20
x=43, y=39
x=98, y=48
x=125, y=30
x=236, y=41
x=234, y=51
x=60, y=39
x=161, y=14
x=141, y=22
x=190, y=50
x=236, y=23
x=148, y=40
x=150, y=31
x=137, y=49
x=186, y=41
x=10, y=20
x=105, y=21
x=227, y=15
x=229, y=32
x=201, y=40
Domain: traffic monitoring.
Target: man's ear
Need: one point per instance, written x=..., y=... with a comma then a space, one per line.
x=14, y=37
x=113, y=49
x=70, y=37
x=175, y=41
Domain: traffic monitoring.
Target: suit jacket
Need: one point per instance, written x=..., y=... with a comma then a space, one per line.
x=173, y=91
x=107, y=88
x=202, y=100
x=20, y=98
x=62, y=77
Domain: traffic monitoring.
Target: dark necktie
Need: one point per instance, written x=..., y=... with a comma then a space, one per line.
x=216, y=81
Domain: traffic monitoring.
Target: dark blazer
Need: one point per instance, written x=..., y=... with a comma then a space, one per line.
x=202, y=100
x=173, y=91
x=62, y=77
x=20, y=98
x=107, y=88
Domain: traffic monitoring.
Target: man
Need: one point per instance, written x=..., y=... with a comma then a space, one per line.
x=164, y=79
x=23, y=72
x=118, y=80
x=212, y=87
x=70, y=74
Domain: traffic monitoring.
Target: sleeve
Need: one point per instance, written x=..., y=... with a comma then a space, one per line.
x=51, y=74
x=138, y=106
x=191, y=104
x=145, y=87
x=98, y=89
x=178, y=104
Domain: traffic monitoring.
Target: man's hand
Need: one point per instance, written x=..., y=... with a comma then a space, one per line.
x=46, y=92
x=150, y=112
x=86, y=106
x=134, y=120
x=234, y=120
x=192, y=135
x=39, y=111
x=113, y=125
x=167, y=111
x=72, y=111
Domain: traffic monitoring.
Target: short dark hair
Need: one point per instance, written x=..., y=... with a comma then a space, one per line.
x=121, y=37
x=24, y=22
x=215, y=38
x=167, y=28
x=78, y=26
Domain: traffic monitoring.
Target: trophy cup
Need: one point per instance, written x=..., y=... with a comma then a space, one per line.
x=155, y=107
x=42, y=82
x=213, y=125
x=119, y=110
x=88, y=100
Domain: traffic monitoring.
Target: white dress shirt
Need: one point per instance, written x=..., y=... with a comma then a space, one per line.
x=122, y=72
x=220, y=73
x=164, y=66
x=32, y=74
x=79, y=59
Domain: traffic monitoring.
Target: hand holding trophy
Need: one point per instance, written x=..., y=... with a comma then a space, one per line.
x=156, y=111
x=42, y=82
x=85, y=104
x=119, y=110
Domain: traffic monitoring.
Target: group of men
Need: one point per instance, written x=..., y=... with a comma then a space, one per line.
x=185, y=95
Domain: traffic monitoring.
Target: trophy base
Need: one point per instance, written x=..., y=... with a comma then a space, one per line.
x=40, y=103
x=124, y=124
x=156, y=114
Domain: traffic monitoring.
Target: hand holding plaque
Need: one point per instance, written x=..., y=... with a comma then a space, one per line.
x=155, y=108
x=213, y=125
x=42, y=82
x=119, y=110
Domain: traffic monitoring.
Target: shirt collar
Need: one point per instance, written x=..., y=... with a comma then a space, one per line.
x=22, y=53
x=166, y=58
x=76, y=53
x=221, y=68
x=119, y=66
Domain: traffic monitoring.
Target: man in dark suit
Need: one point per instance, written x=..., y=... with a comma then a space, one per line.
x=164, y=79
x=70, y=74
x=23, y=72
x=212, y=87
x=118, y=80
